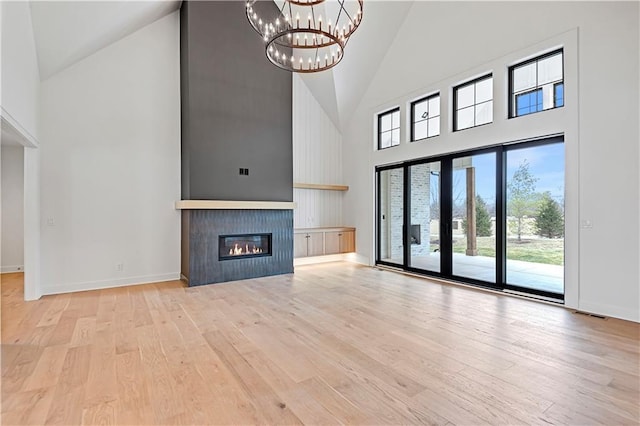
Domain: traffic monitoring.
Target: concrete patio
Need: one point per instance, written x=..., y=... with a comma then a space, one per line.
x=531, y=275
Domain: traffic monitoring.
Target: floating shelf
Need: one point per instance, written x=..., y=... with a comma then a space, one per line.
x=321, y=186
x=224, y=204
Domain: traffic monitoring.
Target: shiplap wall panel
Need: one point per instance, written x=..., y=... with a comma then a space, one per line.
x=317, y=158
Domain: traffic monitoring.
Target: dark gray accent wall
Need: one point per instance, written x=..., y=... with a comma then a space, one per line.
x=201, y=229
x=236, y=109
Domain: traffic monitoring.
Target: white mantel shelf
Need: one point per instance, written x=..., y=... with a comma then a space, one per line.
x=233, y=205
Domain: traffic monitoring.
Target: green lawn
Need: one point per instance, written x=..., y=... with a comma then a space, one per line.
x=543, y=250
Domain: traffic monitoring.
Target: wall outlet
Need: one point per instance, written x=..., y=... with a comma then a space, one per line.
x=51, y=221
x=119, y=267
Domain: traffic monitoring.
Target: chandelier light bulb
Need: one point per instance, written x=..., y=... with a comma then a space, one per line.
x=326, y=34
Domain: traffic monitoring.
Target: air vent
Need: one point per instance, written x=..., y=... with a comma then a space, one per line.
x=590, y=315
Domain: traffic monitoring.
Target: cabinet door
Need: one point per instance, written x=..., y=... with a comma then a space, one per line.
x=332, y=242
x=316, y=244
x=347, y=241
x=300, y=245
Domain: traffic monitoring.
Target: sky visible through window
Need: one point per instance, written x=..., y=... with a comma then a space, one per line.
x=546, y=163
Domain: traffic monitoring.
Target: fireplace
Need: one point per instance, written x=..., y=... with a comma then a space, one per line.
x=220, y=245
x=241, y=246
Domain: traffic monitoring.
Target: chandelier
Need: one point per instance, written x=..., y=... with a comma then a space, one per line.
x=305, y=36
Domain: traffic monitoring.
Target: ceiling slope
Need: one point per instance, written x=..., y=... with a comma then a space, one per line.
x=340, y=92
x=68, y=31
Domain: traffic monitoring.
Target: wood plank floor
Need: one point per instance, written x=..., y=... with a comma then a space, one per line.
x=332, y=344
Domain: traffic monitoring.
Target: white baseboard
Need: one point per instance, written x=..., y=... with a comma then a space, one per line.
x=358, y=258
x=11, y=268
x=102, y=284
x=609, y=311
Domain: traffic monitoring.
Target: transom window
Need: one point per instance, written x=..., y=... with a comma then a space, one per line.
x=536, y=84
x=389, y=128
x=425, y=117
x=473, y=103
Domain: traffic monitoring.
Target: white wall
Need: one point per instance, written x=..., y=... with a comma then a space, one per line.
x=317, y=158
x=19, y=70
x=458, y=41
x=12, y=209
x=110, y=165
x=32, y=284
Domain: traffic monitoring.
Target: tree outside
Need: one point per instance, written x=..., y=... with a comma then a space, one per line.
x=483, y=220
x=550, y=219
x=521, y=196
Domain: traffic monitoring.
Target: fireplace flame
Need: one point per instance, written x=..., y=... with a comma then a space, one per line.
x=237, y=250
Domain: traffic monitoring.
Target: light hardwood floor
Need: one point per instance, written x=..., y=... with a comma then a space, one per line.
x=334, y=343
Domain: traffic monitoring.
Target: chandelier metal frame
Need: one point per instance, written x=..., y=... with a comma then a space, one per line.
x=296, y=47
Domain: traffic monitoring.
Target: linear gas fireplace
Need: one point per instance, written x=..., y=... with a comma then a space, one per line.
x=241, y=246
x=220, y=245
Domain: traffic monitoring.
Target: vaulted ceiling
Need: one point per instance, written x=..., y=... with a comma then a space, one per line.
x=340, y=89
x=66, y=32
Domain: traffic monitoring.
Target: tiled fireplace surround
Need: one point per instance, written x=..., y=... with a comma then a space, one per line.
x=201, y=229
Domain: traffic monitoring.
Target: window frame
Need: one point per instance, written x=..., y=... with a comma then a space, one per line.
x=512, y=105
x=412, y=121
x=535, y=90
x=555, y=86
x=455, y=101
x=379, y=116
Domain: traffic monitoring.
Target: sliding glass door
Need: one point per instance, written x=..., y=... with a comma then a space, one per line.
x=424, y=228
x=391, y=216
x=473, y=198
x=535, y=218
x=492, y=217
